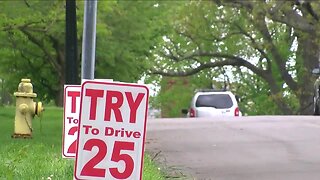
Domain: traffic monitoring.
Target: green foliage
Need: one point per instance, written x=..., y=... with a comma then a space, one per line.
x=29, y=47
x=176, y=93
x=122, y=50
x=33, y=40
x=40, y=157
x=255, y=96
x=265, y=43
x=135, y=38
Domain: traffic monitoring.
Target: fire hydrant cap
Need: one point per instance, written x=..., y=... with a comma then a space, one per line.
x=39, y=109
x=25, y=89
x=26, y=80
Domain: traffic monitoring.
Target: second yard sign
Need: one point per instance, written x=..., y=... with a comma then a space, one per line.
x=112, y=129
x=70, y=120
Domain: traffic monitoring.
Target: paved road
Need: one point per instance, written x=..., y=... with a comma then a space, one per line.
x=245, y=148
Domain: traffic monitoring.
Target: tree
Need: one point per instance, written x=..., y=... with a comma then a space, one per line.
x=123, y=42
x=176, y=93
x=33, y=42
x=276, y=41
x=33, y=46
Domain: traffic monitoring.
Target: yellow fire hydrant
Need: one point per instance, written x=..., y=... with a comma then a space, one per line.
x=26, y=109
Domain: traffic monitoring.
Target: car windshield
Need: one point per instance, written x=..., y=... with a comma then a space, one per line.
x=220, y=101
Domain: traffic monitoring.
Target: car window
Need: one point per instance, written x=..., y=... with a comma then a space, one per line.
x=219, y=101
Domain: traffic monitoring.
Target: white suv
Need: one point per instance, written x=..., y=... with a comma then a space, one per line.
x=208, y=103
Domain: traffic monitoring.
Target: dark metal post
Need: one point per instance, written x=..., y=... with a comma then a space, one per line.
x=71, y=69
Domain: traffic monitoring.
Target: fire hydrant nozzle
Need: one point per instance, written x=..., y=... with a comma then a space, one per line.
x=23, y=108
x=26, y=109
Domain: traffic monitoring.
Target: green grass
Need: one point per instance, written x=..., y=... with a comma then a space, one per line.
x=40, y=157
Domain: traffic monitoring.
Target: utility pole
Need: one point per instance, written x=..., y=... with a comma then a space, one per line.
x=71, y=69
x=89, y=39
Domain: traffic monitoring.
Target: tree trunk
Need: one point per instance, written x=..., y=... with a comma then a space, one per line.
x=59, y=94
x=60, y=59
x=62, y=81
x=59, y=98
x=308, y=55
x=277, y=96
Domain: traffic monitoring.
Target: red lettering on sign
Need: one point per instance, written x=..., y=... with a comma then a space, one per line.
x=128, y=133
x=109, y=131
x=118, y=156
x=73, y=95
x=72, y=147
x=113, y=105
x=136, y=134
x=87, y=128
x=133, y=105
x=89, y=169
x=94, y=94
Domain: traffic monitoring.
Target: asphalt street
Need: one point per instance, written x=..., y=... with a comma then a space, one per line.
x=237, y=148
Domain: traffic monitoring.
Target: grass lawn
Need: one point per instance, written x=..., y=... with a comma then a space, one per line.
x=40, y=157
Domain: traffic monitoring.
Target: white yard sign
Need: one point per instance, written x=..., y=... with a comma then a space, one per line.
x=112, y=131
x=70, y=120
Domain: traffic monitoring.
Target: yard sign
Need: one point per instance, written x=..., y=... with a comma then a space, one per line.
x=70, y=120
x=112, y=128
